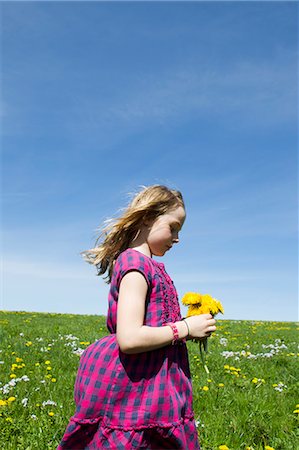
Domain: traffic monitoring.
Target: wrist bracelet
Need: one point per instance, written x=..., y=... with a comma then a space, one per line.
x=174, y=331
x=184, y=320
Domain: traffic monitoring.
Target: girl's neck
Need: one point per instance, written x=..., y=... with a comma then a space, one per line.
x=140, y=244
x=143, y=248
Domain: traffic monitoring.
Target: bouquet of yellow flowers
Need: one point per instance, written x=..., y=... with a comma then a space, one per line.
x=202, y=304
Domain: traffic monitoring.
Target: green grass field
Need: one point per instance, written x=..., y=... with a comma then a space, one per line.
x=248, y=401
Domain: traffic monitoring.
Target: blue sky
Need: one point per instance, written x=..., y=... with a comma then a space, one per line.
x=99, y=98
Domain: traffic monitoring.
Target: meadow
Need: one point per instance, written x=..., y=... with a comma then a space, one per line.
x=249, y=400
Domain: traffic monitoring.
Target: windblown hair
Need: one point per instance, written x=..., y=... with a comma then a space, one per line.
x=150, y=203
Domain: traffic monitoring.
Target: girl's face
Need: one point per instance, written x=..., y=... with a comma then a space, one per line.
x=164, y=231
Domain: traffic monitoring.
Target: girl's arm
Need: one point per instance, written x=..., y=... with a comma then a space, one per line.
x=132, y=335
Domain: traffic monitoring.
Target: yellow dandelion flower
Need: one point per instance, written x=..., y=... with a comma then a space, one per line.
x=9, y=419
x=49, y=368
x=28, y=344
x=221, y=385
x=226, y=366
x=51, y=413
x=13, y=375
x=219, y=306
x=194, y=310
x=267, y=447
x=3, y=402
x=53, y=380
x=296, y=411
x=11, y=399
x=205, y=388
x=47, y=362
x=191, y=298
x=201, y=304
x=37, y=364
x=18, y=360
x=223, y=447
x=297, y=406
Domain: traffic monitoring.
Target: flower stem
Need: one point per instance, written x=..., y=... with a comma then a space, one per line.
x=203, y=346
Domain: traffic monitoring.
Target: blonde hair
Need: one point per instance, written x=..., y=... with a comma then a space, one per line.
x=118, y=234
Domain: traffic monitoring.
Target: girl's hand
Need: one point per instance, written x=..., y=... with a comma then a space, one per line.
x=201, y=326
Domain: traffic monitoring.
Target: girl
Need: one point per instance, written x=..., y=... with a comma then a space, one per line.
x=133, y=387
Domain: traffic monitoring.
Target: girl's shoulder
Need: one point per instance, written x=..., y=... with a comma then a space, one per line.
x=131, y=259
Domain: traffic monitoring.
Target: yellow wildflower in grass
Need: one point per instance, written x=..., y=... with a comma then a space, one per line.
x=13, y=375
x=9, y=419
x=49, y=368
x=3, y=402
x=53, y=380
x=296, y=411
x=202, y=304
x=37, y=364
x=267, y=447
x=221, y=385
x=223, y=447
x=47, y=362
x=28, y=344
x=51, y=413
x=205, y=388
x=11, y=399
x=18, y=360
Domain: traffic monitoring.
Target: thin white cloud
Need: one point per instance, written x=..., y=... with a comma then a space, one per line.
x=42, y=269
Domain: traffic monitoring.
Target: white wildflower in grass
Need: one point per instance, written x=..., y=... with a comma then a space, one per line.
x=223, y=341
x=22, y=334
x=198, y=424
x=78, y=352
x=275, y=349
x=70, y=337
x=49, y=402
x=44, y=350
x=1, y=362
x=33, y=416
x=24, y=402
x=280, y=387
x=12, y=383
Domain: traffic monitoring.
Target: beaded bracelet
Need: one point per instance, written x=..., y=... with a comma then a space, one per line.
x=175, y=332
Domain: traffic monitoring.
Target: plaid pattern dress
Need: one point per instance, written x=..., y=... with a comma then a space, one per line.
x=139, y=401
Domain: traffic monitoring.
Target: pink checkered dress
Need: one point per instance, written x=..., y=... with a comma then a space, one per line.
x=140, y=401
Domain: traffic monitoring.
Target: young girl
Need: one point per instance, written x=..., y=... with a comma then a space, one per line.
x=133, y=387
